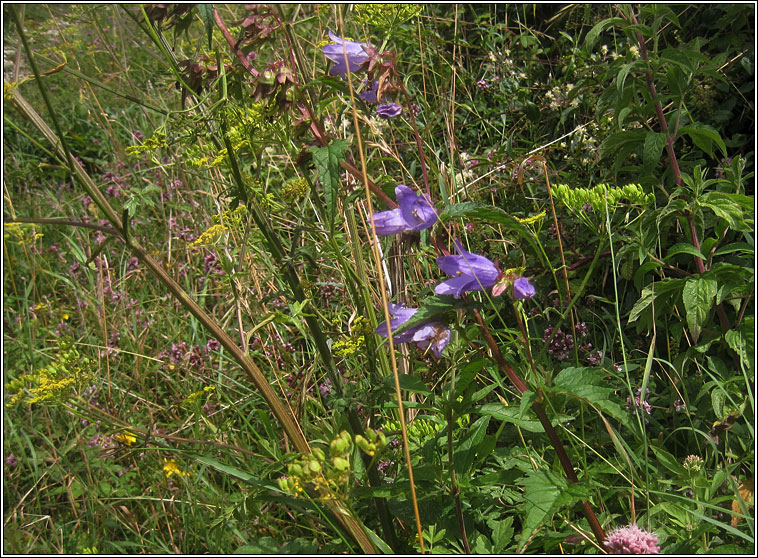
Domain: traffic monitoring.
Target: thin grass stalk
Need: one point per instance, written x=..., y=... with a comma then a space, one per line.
x=284, y=417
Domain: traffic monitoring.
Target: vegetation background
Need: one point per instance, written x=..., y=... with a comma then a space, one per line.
x=191, y=283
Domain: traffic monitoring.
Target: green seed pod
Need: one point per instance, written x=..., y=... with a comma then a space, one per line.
x=371, y=435
x=341, y=464
x=295, y=470
x=319, y=454
x=314, y=466
x=283, y=485
x=291, y=482
x=361, y=442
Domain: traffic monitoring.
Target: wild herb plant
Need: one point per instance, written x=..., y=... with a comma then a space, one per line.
x=487, y=272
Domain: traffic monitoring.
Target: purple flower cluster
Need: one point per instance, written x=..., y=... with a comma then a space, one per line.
x=632, y=540
x=639, y=401
x=414, y=214
x=196, y=356
x=431, y=335
x=561, y=346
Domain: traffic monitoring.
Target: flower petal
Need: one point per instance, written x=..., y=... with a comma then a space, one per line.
x=416, y=209
x=389, y=222
x=456, y=286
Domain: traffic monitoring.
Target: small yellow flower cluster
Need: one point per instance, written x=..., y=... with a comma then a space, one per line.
x=361, y=326
x=295, y=189
x=24, y=233
x=193, y=398
x=53, y=384
x=348, y=345
x=153, y=143
x=329, y=477
x=171, y=468
x=533, y=219
x=209, y=236
x=386, y=15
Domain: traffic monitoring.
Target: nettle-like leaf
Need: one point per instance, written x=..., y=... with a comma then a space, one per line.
x=742, y=342
x=526, y=420
x=327, y=160
x=704, y=136
x=544, y=494
x=727, y=206
x=664, y=294
x=591, y=386
x=698, y=294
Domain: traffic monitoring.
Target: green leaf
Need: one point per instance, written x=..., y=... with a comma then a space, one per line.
x=490, y=214
x=683, y=248
x=544, y=493
x=651, y=153
x=206, y=13
x=725, y=206
x=742, y=342
x=591, y=386
x=474, y=210
x=432, y=308
x=697, y=295
x=598, y=28
x=669, y=461
x=467, y=448
x=327, y=160
x=667, y=287
x=703, y=136
x=408, y=382
x=502, y=533
x=513, y=414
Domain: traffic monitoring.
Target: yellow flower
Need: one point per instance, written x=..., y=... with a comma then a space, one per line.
x=126, y=438
x=170, y=467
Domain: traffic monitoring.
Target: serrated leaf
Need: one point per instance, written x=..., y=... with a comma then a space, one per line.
x=590, y=385
x=703, y=136
x=651, y=152
x=723, y=205
x=512, y=414
x=408, y=382
x=327, y=160
x=697, y=295
x=742, y=342
x=474, y=210
x=544, y=494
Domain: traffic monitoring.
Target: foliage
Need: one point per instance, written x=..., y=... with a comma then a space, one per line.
x=564, y=206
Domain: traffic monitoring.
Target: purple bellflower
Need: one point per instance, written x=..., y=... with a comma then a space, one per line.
x=469, y=272
x=414, y=214
x=523, y=289
x=429, y=336
x=356, y=55
x=390, y=110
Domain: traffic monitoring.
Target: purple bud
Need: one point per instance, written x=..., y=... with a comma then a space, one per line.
x=390, y=110
x=523, y=289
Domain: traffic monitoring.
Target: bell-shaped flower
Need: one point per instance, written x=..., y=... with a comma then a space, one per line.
x=523, y=289
x=336, y=51
x=414, y=214
x=428, y=336
x=389, y=110
x=469, y=272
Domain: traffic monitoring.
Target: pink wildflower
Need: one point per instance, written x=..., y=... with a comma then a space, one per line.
x=632, y=540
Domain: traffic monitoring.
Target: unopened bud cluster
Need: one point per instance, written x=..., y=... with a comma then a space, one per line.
x=328, y=476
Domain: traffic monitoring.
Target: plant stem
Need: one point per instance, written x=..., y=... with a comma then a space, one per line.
x=544, y=420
